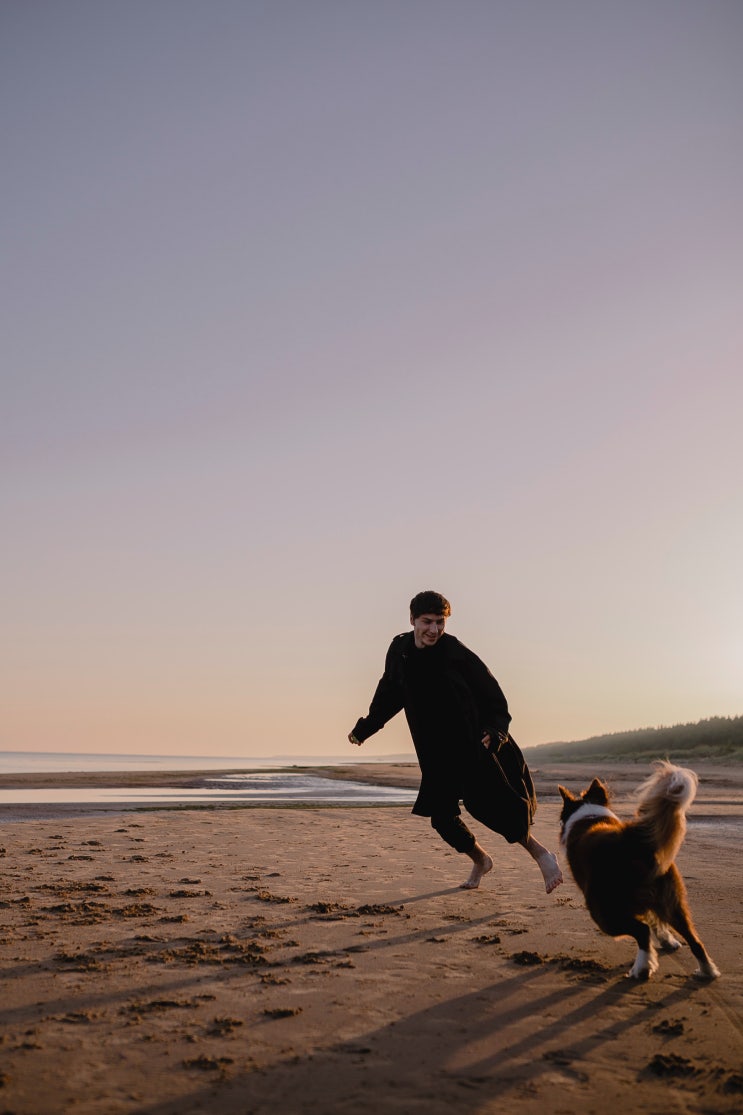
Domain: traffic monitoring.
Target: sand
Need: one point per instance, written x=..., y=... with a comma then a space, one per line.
x=324, y=960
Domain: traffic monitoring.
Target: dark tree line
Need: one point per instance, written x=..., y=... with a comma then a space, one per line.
x=719, y=738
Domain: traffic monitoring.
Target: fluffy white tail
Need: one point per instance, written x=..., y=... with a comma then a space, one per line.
x=664, y=799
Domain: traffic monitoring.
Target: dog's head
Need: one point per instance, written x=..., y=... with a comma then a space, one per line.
x=596, y=794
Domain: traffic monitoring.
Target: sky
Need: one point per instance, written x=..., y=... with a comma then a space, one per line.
x=309, y=305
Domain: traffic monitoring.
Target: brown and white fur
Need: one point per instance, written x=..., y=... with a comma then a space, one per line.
x=626, y=869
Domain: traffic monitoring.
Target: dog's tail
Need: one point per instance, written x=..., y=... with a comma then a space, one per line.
x=664, y=799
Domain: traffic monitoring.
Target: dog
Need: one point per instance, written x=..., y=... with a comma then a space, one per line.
x=626, y=869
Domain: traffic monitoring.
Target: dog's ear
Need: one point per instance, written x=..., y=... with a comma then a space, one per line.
x=565, y=794
x=597, y=793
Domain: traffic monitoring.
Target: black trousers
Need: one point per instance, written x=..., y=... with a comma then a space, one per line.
x=510, y=818
x=454, y=831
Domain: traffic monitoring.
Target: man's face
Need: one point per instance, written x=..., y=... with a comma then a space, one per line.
x=427, y=630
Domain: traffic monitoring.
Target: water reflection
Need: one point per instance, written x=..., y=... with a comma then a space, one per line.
x=284, y=786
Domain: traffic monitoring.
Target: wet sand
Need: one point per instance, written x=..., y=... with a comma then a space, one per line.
x=324, y=959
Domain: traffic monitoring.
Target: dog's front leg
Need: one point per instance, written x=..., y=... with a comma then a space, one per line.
x=646, y=963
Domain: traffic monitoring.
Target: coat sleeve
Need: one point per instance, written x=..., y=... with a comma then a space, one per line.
x=387, y=700
x=492, y=706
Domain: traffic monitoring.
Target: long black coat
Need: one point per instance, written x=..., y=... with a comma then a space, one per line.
x=454, y=764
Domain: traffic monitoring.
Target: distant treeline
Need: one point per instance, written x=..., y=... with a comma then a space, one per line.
x=719, y=738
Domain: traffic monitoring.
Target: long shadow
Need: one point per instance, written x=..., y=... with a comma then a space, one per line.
x=77, y=1002
x=560, y=1028
x=411, y=1056
x=406, y=901
x=151, y=951
x=250, y=927
x=305, y=911
x=447, y=1071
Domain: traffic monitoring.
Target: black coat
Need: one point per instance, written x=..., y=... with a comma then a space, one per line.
x=451, y=700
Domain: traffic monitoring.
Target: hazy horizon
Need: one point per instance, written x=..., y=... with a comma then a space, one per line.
x=310, y=306
x=351, y=754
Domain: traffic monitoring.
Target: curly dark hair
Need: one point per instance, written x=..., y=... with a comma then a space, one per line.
x=429, y=603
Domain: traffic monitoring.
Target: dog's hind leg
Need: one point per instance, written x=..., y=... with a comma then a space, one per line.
x=678, y=916
x=666, y=940
x=682, y=924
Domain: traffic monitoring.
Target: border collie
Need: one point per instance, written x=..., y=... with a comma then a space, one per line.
x=626, y=869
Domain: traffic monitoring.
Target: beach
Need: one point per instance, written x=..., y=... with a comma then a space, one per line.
x=324, y=959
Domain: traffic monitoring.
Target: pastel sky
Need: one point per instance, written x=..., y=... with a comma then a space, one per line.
x=311, y=304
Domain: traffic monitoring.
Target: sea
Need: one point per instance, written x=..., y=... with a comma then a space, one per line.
x=275, y=779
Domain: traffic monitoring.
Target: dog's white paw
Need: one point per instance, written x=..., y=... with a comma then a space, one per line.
x=645, y=964
x=667, y=941
x=708, y=970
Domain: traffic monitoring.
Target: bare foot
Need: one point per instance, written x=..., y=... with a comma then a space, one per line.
x=481, y=866
x=550, y=869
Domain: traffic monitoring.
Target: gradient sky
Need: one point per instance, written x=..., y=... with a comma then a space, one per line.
x=311, y=304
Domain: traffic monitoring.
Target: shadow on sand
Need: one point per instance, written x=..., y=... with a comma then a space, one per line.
x=501, y=1045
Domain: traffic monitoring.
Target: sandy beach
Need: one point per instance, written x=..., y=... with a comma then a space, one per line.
x=251, y=960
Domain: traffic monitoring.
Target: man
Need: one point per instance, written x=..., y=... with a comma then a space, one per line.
x=458, y=718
